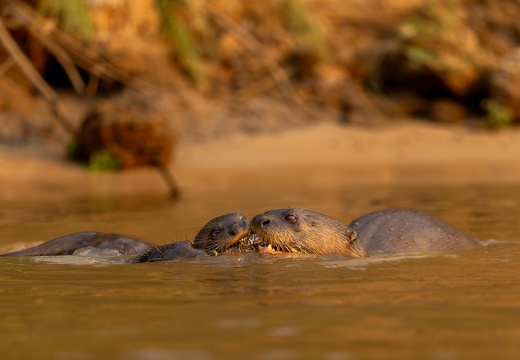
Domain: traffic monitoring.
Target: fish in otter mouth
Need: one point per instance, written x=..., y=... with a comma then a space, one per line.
x=273, y=246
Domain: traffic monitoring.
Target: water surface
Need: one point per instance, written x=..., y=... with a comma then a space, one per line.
x=456, y=305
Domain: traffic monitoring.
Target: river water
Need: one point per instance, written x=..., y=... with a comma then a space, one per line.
x=456, y=305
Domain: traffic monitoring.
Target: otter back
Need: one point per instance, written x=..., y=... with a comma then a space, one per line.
x=393, y=231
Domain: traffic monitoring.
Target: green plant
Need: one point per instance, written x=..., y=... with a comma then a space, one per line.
x=181, y=41
x=72, y=15
x=420, y=57
x=303, y=26
x=72, y=151
x=497, y=115
x=103, y=160
x=428, y=37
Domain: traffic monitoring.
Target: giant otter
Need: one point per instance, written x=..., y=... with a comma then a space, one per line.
x=305, y=231
x=390, y=231
x=226, y=233
x=222, y=234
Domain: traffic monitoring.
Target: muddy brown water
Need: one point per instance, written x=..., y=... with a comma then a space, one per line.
x=457, y=305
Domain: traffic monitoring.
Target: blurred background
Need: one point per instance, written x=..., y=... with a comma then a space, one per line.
x=248, y=106
x=152, y=117
x=221, y=67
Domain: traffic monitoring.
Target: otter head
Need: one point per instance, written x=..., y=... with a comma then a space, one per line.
x=224, y=233
x=305, y=231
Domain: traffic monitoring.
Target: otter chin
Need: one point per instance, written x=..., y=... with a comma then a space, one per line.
x=303, y=231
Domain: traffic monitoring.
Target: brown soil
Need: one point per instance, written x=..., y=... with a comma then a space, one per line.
x=234, y=131
x=320, y=155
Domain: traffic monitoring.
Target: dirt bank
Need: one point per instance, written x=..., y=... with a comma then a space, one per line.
x=320, y=155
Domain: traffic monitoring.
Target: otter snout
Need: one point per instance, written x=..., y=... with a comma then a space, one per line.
x=239, y=228
x=260, y=221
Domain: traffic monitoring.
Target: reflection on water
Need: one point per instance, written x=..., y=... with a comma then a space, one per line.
x=453, y=305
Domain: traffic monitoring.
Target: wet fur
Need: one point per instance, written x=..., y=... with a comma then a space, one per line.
x=311, y=232
x=68, y=244
x=218, y=236
x=222, y=234
x=174, y=251
x=232, y=228
x=399, y=231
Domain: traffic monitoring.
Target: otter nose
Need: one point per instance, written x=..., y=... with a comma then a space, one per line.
x=260, y=221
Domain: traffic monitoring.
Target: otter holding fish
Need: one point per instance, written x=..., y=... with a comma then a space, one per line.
x=386, y=231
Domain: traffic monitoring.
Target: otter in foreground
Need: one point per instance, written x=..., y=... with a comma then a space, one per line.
x=223, y=234
x=304, y=231
x=387, y=231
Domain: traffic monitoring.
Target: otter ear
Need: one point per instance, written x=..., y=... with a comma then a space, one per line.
x=354, y=247
x=350, y=235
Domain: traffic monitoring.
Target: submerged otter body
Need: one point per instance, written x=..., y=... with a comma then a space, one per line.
x=68, y=244
x=222, y=234
x=174, y=251
x=399, y=231
x=387, y=231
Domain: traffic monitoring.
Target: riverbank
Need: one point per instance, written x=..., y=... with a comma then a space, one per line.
x=318, y=155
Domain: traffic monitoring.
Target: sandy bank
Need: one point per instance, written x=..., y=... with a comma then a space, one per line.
x=407, y=152
x=321, y=155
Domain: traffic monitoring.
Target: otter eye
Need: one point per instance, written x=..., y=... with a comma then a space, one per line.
x=215, y=233
x=291, y=218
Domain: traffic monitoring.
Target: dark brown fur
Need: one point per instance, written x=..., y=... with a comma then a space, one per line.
x=222, y=234
x=305, y=231
x=225, y=233
x=174, y=251
x=387, y=231
x=68, y=244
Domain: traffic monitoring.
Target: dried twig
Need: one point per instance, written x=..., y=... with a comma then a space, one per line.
x=28, y=69
x=61, y=56
x=172, y=185
x=6, y=65
x=256, y=88
x=81, y=55
x=278, y=74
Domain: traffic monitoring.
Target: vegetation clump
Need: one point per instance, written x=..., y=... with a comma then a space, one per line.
x=434, y=58
x=73, y=16
x=497, y=116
